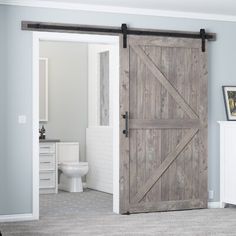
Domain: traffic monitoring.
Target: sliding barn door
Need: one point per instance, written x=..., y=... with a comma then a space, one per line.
x=163, y=124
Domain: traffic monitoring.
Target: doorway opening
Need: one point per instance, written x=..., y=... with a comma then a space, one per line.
x=76, y=100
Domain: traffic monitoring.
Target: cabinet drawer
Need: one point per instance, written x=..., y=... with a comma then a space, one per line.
x=47, y=180
x=47, y=162
x=47, y=148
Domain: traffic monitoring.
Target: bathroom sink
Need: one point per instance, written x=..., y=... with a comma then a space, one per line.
x=49, y=140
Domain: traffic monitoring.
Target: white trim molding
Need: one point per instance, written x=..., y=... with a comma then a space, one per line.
x=64, y=37
x=17, y=217
x=227, y=162
x=27, y=217
x=35, y=126
x=120, y=10
x=212, y=205
x=38, y=36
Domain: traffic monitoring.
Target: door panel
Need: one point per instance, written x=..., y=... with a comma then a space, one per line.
x=163, y=161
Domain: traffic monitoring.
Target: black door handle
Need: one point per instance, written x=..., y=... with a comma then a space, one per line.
x=126, y=130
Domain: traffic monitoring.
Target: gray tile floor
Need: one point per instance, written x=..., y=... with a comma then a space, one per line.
x=68, y=204
x=90, y=214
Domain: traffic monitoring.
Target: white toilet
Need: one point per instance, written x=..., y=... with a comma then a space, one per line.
x=71, y=170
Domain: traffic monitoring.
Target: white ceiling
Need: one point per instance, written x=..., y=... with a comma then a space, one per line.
x=222, y=7
x=224, y=10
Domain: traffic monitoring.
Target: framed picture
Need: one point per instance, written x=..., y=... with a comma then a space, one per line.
x=230, y=101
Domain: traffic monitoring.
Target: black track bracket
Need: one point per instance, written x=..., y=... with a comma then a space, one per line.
x=203, y=37
x=124, y=30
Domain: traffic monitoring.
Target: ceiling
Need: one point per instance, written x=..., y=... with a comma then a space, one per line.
x=222, y=7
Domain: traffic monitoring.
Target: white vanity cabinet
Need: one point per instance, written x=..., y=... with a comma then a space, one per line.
x=48, y=168
x=227, y=162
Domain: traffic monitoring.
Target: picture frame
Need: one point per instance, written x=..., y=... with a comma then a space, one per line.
x=229, y=93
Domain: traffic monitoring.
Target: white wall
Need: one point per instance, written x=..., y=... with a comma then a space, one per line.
x=102, y=142
x=99, y=149
x=68, y=91
x=93, y=81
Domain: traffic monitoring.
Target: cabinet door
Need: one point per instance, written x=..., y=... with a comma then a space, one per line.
x=47, y=148
x=229, y=165
x=47, y=180
x=47, y=162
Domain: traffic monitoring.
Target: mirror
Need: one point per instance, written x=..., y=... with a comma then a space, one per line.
x=104, y=88
x=43, y=89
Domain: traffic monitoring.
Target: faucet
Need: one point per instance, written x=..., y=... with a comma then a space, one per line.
x=42, y=132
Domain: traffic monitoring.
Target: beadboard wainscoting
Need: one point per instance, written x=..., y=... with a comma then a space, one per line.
x=99, y=149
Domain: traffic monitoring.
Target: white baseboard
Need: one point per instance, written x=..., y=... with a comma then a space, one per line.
x=17, y=217
x=212, y=205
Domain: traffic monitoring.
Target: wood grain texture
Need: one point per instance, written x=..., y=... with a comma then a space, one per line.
x=164, y=165
x=124, y=142
x=165, y=42
x=133, y=133
x=152, y=111
x=168, y=86
x=163, y=124
x=203, y=134
x=167, y=125
x=168, y=206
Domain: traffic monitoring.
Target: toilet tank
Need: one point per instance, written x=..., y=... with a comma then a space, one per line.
x=67, y=152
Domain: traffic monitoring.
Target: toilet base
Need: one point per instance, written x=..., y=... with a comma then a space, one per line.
x=73, y=185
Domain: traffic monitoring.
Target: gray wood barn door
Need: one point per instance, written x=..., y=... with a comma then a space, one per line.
x=163, y=161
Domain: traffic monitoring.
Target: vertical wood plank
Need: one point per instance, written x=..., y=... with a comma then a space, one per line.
x=141, y=159
x=133, y=133
x=165, y=134
x=203, y=133
x=152, y=104
x=133, y=164
x=184, y=81
x=124, y=142
x=141, y=114
x=171, y=74
x=193, y=190
x=190, y=169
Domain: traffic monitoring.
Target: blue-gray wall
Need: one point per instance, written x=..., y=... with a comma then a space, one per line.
x=18, y=87
x=2, y=106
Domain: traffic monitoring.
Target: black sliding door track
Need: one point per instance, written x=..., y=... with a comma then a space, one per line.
x=123, y=30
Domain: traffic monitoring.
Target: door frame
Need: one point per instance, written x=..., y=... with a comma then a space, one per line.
x=70, y=37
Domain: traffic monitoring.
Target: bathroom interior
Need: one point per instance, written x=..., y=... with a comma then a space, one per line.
x=76, y=116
